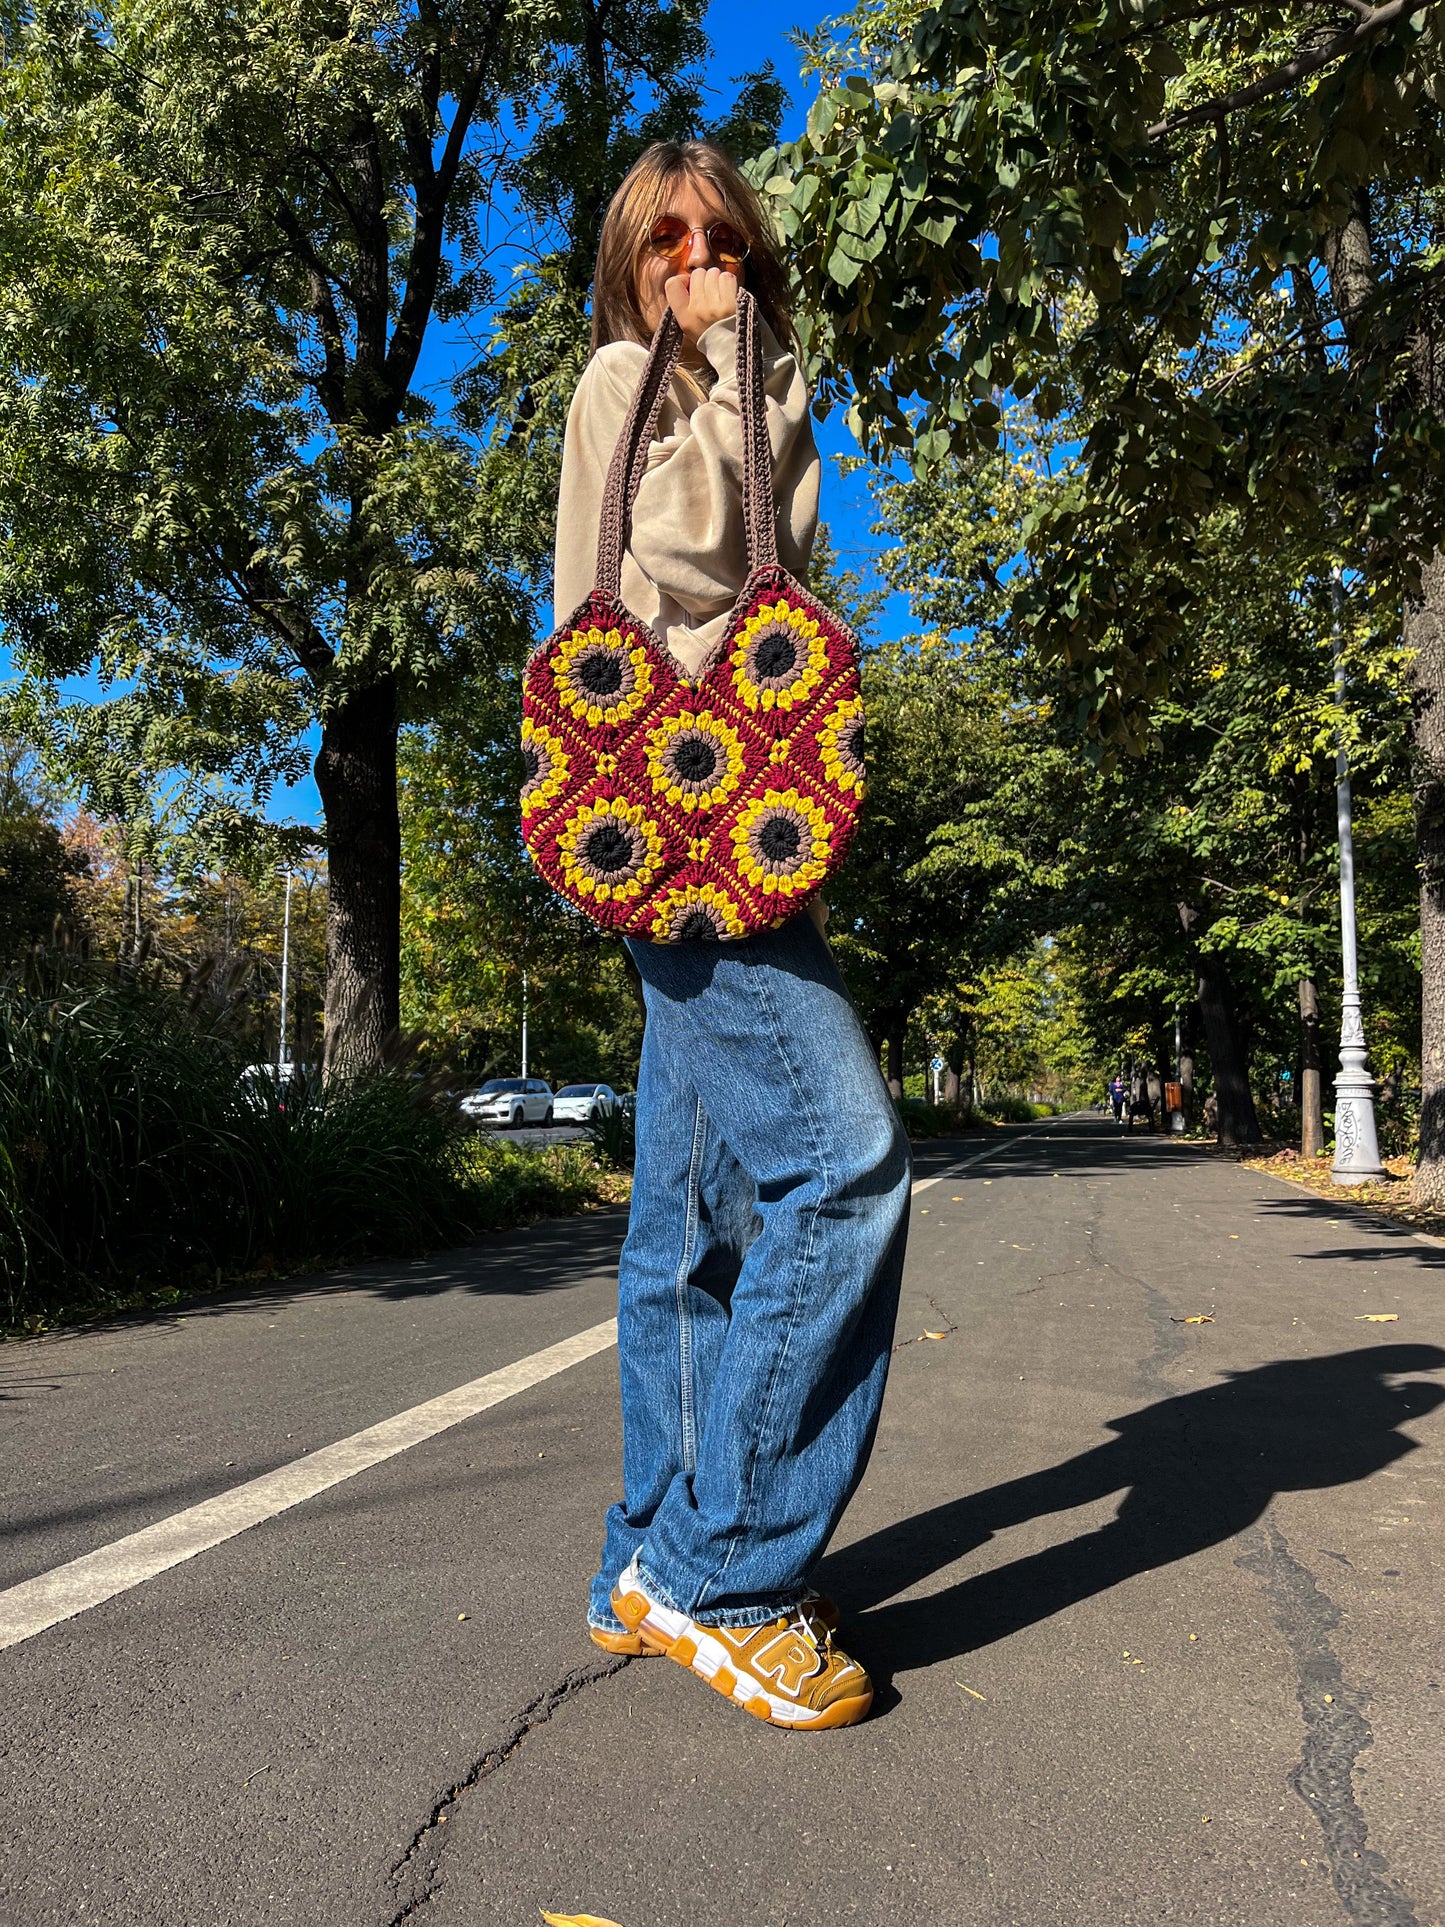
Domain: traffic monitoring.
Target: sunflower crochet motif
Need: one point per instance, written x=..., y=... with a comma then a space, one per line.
x=693, y=811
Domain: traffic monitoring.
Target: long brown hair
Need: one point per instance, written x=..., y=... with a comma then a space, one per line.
x=616, y=311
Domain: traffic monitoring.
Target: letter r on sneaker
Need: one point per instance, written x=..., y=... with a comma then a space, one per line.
x=787, y=1660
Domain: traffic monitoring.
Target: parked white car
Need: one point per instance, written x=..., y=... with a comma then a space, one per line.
x=580, y=1103
x=510, y=1101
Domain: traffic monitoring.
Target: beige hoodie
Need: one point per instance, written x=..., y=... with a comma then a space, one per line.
x=686, y=561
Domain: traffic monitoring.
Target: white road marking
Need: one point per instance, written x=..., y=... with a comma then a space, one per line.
x=74, y=1588
x=922, y=1184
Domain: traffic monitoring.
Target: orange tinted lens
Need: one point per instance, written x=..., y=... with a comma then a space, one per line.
x=727, y=244
x=669, y=236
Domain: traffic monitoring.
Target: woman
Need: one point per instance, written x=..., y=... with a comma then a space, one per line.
x=759, y=1280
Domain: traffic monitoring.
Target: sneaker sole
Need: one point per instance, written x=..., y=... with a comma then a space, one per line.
x=627, y=1645
x=690, y=1646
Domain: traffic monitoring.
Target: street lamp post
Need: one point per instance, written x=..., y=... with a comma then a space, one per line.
x=524, y=1023
x=1357, y=1149
x=281, y=1058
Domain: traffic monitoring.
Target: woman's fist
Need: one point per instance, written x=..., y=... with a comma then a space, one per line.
x=702, y=297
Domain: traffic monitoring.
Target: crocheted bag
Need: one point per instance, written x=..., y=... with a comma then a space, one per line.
x=675, y=808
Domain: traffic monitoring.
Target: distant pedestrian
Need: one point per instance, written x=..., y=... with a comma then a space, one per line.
x=1117, y=1096
x=759, y=1281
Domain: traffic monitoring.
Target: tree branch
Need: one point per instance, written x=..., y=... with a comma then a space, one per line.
x=1372, y=21
x=433, y=192
x=331, y=383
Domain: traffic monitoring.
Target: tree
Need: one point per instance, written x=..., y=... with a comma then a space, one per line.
x=224, y=235
x=476, y=916
x=1246, y=199
x=1202, y=875
x=38, y=869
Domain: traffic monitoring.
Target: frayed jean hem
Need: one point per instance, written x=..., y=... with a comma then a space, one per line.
x=743, y=1619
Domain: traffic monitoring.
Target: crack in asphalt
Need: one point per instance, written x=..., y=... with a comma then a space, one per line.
x=1170, y=1344
x=425, y=1881
x=1336, y=1731
x=1168, y=1341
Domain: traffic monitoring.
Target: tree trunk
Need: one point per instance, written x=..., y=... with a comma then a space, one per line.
x=1234, y=1105
x=356, y=775
x=1163, y=1068
x=1311, y=1097
x=1238, y=1122
x=1425, y=635
x=1186, y=1059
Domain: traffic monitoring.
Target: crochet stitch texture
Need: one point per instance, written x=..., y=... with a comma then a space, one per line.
x=674, y=809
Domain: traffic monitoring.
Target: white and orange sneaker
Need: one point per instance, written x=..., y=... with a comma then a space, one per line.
x=818, y=1607
x=787, y=1672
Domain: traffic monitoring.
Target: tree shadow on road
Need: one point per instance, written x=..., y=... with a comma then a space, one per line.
x=1196, y=1470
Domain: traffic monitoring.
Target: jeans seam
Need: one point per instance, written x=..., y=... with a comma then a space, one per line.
x=681, y=1289
x=801, y=1267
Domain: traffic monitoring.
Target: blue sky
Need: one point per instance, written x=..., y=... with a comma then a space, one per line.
x=744, y=35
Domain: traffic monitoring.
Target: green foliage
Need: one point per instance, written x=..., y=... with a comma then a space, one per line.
x=37, y=878
x=137, y=1155
x=224, y=236
x=1208, y=236
x=475, y=915
x=1230, y=815
x=1006, y=1109
x=923, y=1121
x=614, y=1138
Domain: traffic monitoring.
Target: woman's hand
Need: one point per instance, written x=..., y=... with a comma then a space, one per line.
x=700, y=298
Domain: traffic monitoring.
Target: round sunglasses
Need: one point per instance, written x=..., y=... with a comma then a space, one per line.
x=671, y=237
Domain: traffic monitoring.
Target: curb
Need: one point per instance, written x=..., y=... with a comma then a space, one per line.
x=1361, y=1212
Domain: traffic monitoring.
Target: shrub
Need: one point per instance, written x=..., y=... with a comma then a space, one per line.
x=922, y=1120
x=1016, y=1110
x=135, y=1155
x=614, y=1137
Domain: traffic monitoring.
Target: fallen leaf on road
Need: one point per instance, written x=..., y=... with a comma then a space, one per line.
x=1377, y=1318
x=575, y=1920
x=969, y=1690
x=933, y=1334
x=1199, y=1318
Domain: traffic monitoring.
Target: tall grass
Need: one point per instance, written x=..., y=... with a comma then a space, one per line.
x=134, y=1155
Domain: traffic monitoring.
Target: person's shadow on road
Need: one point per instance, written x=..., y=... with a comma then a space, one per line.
x=1196, y=1470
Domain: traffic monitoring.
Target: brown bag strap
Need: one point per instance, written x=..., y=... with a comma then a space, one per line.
x=760, y=515
x=629, y=458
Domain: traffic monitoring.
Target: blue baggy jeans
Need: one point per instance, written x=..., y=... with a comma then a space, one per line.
x=759, y=1280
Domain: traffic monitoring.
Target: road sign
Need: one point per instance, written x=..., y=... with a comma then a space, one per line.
x=937, y=1064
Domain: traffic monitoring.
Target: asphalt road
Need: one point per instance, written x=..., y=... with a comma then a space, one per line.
x=1155, y=1607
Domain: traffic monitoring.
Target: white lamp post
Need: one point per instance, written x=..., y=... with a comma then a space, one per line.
x=1357, y=1149
x=282, y=1060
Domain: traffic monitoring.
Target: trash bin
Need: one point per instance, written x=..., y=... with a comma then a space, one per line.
x=1174, y=1106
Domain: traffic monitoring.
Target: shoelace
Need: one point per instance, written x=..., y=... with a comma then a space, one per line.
x=820, y=1638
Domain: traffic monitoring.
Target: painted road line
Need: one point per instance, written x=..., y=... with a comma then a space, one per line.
x=74, y=1588
x=922, y=1184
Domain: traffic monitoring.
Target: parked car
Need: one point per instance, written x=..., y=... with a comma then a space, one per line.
x=510, y=1101
x=580, y=1103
